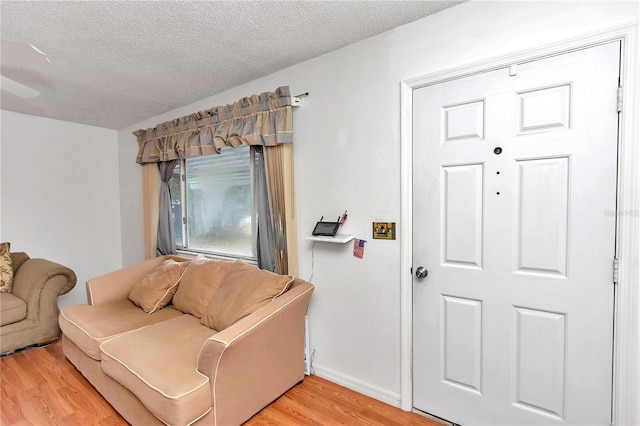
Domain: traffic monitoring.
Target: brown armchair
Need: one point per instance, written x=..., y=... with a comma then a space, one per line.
x=29, y=314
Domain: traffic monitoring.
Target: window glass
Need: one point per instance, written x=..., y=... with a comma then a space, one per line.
x=175, y=188
x=218, y=196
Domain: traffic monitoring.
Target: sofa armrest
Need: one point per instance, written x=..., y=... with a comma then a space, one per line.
x=116, y=285
x=39, y=282
x=257, y=359
x=17, y=259
x=35, y=273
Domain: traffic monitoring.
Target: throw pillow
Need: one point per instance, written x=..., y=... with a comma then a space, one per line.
x=200, y=282
x=243, y=290
x=6, y=268
x=155, y=291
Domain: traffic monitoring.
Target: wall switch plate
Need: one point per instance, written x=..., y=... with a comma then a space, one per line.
x=384, y=230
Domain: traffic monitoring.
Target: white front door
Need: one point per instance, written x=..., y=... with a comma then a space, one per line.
x=514, y=194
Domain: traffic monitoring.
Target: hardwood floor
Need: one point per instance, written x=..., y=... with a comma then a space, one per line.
x=39, y=386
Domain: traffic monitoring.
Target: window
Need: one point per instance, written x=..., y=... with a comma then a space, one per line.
x=214, y=196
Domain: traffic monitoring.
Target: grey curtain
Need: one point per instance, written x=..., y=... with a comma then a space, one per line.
x=166, y=231
x=265, y=243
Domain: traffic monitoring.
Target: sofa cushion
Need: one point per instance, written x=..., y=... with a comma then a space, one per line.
x=198, y=285
x=158, y=364
x=88, y=326
x=6, y=268
x=244, y=289
x=156, y=290
x=12, y=309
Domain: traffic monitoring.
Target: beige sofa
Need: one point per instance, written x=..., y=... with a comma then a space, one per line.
x=29, y=313
x=229, y=341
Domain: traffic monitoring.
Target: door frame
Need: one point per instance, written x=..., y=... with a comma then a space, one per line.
x=626, y=345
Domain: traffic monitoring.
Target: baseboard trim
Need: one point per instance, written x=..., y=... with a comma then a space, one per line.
x=359, y=386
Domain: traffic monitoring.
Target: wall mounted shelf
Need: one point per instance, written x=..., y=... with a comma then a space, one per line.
x=339, y=238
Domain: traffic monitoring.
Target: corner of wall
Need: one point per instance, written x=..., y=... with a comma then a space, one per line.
x=130, y=186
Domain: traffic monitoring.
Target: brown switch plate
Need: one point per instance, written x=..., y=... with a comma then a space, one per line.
x=384, y=230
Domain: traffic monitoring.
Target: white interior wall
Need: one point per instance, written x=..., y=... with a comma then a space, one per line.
x=59, y=194
x=347, y=156
x=1, y=240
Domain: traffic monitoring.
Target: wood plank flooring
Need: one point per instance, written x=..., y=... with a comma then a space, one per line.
x=39, y=386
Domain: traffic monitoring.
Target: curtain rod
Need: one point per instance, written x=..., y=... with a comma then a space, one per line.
x=295, y=100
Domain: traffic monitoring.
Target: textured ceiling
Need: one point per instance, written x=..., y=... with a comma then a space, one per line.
x=115, y=63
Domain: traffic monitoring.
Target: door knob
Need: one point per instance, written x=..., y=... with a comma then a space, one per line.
x=421, y=272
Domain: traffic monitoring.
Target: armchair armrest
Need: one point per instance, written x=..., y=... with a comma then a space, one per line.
x=34, y=274
x=116, y=285
x=257, y=359
x=39, y=282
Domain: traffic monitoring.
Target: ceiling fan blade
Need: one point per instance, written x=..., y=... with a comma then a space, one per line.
x=18, y=89
x=13, y=51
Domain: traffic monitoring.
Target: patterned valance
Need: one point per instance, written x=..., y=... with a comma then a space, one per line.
x=263, y=119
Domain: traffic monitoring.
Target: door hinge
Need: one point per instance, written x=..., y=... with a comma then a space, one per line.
x=182, y=177
x=619, y=98
x=616, y=268
x=184, y=220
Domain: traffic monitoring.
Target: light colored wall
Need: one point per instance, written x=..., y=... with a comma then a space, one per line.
x=1, y=239
x=59, y=194
x=347, y=156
